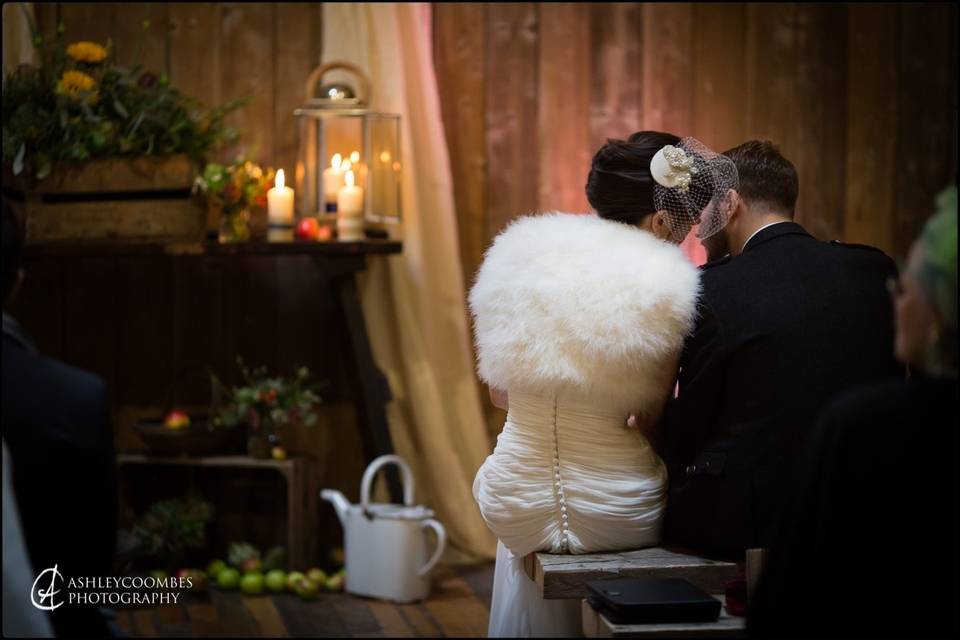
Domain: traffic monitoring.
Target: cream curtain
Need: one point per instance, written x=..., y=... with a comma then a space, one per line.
x=414, y=304
x=17, y=45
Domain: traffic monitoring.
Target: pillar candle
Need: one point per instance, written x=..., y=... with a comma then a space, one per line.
x=280, y=210
x=332, y=182
x=350, y=211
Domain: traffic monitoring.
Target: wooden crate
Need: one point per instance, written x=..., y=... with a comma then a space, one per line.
x=118, y=199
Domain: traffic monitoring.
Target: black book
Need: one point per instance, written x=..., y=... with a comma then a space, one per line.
x=652, y=600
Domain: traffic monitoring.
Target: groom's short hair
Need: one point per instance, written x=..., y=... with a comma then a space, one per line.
x=765, y=175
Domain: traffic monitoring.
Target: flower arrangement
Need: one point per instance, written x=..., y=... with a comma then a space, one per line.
x=78, y=105
x=232, y=190
x=267, y=403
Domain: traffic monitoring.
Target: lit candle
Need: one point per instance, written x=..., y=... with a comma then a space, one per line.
x=332, y=182
x=280, y=210
x=350, y=211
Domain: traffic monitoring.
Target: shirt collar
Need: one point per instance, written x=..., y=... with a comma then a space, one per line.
x=770, y=224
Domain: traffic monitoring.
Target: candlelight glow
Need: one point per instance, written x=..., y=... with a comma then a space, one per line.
x=279, y=181
x=348, y=178
x=335, y=161
x=385, y=156
x=355, y=157
x=346, y=165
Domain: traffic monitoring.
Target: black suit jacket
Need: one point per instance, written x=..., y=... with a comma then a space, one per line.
x=59, y=435
x=782, y=328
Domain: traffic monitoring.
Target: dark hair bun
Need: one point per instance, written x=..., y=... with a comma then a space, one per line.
x=620, y=186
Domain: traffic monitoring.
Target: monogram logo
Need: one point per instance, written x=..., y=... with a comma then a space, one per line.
x=46, y=596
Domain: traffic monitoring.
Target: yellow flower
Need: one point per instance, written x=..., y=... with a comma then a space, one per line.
x=74, y=82
x=87, y=52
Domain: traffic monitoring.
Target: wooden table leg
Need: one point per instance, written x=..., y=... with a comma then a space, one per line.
x=374, y=390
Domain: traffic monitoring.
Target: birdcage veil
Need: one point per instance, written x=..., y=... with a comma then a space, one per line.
x=693, y=186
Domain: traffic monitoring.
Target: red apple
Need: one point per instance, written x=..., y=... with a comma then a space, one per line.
x=324, y=233
x=307, y=229
x=176, y=420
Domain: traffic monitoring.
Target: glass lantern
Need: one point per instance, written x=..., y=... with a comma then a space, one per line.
x=348, y=166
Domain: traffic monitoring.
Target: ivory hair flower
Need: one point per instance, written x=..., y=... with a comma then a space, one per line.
x=87, y=52
x=73, y=83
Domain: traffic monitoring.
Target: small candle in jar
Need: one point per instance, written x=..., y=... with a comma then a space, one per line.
x=280, y=210
x=332, y=182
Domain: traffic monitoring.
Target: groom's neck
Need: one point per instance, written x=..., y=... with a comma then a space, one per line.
x=753, y=223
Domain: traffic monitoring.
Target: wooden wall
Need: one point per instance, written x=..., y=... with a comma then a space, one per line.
x=861, y=97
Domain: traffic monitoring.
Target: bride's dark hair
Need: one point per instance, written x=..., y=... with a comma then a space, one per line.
x=620, y=186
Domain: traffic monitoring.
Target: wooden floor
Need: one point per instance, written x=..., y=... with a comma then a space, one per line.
x=459, y=606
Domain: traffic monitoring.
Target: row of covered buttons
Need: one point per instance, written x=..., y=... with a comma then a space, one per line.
x=565, y=527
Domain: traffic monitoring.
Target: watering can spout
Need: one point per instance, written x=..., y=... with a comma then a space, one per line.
x=339, y=503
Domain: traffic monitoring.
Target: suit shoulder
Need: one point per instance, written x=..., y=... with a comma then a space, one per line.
x=713, y=264
x=853, y=246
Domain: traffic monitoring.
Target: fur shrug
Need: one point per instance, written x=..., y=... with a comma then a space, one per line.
x=578, y=306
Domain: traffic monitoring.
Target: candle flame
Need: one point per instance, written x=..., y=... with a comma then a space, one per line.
x=335, y=161
x=345, y=166
x=355, y=157
x=385, y=156
x=279, y=181
x=349, y=178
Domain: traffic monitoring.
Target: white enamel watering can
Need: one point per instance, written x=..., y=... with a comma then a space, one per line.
x=386, y=544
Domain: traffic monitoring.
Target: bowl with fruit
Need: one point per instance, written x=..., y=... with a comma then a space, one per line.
x=182, y=433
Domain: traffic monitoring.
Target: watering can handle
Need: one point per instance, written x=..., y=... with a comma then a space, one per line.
x=371, y=472
x=441, y=544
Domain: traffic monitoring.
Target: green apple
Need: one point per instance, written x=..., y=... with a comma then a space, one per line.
x=215, y=567
x=335, y=583
x=252, y=584
x=276, y=580
x=307, y=589
x=317, y=575
x=292, y=578
x=229, y=578
x=158, y=574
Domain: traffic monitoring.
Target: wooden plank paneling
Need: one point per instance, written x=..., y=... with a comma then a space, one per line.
x=459, y=56
x=46, y=15
x=87, y=21
x=297, y=40
x=511, y=113
x=926, y=124
x=667, y=67
x=564, y=106
x=616, y=57
x=770, y=68
x=246, y=64
x=90, y=317
x=194, y=35
x=719, y=83
x=141, y=35
x=820, y=125
x=871, y=117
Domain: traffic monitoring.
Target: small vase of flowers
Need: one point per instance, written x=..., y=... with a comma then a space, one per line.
x=231, y=192
x=267, y=405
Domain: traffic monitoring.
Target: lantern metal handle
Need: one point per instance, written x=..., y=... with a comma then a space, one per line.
x=317, y=74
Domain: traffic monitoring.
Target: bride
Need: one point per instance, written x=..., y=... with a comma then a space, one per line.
x=579, y=323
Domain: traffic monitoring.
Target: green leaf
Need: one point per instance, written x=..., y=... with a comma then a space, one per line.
x=18, y=160
x=121, y=110
x=44, y=169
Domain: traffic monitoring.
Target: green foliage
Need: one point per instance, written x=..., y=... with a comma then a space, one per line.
x=266, y=403
x=170, y=527
x=79, y=105
x=240, y=552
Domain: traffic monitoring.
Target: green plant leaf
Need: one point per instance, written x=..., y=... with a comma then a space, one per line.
x=121, y=110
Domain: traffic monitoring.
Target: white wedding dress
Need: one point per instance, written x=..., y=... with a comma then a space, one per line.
x=580, y=319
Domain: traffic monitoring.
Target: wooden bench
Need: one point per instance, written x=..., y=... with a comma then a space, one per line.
x=595, y=625
x=563, y=576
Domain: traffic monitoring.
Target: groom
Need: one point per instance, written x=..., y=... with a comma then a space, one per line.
x=785, y=323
